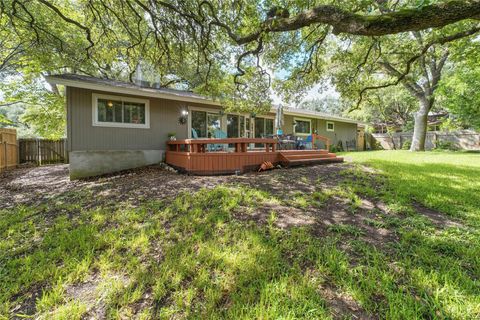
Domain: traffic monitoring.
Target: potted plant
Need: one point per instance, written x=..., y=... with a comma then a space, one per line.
x=172, y=136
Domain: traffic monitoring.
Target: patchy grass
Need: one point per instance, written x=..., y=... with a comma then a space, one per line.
x=445, y=181
x=381, y=245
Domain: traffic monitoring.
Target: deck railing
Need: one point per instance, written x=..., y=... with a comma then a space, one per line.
x=322, y=138
x=200, y=145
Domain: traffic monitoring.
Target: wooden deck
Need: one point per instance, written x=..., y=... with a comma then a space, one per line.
x=193, y=155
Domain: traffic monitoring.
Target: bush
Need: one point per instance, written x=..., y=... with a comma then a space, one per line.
x=333, y=149
x=406, y=145
x=377, y=145
x=445, y=145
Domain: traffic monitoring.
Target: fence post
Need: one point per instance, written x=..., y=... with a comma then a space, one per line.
x=1, y=163
x=39, y=161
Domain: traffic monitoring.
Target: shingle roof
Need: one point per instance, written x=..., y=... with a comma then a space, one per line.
x=69, y=79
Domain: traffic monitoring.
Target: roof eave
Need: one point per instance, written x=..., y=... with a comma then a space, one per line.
x=320, y=116
x=144, y=92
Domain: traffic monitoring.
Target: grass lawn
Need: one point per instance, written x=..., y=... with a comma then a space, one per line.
x=399, y=239
x=445, y=181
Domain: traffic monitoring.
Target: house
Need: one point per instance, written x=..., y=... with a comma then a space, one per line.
x=114, y=125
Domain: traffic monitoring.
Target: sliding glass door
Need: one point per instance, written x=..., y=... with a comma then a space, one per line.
x=204, y=124
x=263, y=127
x=237, y=126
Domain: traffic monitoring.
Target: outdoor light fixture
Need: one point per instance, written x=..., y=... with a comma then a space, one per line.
x=110, y=104
x=183, y=117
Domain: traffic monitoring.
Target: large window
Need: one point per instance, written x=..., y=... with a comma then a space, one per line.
x=232, y=126
x=205, y=123
x=302, y=127
x=263, y=127
x=235, y=126
x=199, y=123
x=115, y=111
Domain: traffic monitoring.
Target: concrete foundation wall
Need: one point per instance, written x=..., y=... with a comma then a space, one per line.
x=97, y=162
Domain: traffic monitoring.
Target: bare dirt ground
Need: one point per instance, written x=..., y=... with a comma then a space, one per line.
x=42, y=185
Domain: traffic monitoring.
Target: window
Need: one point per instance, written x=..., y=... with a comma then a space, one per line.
x=235, y=126
x=330, y=126
x=302, y=126
x=259, y=127
x=205, y=123
x=115, y=111
x=232, y=126
x=263, y=127
x=242, y=126
x=199, y=123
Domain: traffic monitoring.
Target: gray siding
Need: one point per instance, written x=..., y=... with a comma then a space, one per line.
x=82, y=135
x=164, y=114
x=344, y=131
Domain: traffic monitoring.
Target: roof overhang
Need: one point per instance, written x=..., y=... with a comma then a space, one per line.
x=316, y=115
x=143, y=92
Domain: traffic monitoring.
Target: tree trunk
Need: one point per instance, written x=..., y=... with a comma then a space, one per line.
x=420, y=128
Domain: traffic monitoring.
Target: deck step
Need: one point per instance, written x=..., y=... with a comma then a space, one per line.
x=302, y=152
x=300, y=162
x=309, y=156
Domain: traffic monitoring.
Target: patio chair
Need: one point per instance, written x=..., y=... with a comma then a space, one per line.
x=218, y=134
x=286, y=141
x=194, y=134
x=305, y=144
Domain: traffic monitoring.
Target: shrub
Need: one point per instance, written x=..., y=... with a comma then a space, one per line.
x=333, y=149
x=377, y=145
x=445, y=145
x=406, y=145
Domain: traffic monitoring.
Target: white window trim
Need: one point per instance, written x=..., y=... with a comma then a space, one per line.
x=299, y=133
x=330, y=122
x=96, y=123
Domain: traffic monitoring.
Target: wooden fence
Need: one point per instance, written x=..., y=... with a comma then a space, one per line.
x=8, y=149
x=463, y=140
x=42, y=151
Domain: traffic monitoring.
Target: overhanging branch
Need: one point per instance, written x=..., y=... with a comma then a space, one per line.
x=402, y=75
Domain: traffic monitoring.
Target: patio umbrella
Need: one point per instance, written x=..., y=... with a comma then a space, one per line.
x=279, y=119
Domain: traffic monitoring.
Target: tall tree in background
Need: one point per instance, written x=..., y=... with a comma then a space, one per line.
x=407, y=59
x=421, y=84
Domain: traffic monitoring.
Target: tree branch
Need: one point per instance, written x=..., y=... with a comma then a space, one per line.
x=342, y=21
x=401, y=76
